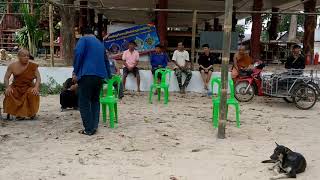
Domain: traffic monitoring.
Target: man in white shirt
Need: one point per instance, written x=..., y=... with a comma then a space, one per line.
x=182, y=65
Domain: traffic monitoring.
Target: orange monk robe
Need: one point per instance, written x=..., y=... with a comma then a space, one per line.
x=22, y=103
x=243, y=62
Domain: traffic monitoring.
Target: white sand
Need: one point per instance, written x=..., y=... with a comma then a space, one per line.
x=156, y=142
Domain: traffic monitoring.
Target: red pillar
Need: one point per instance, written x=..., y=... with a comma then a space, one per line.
x=100, y=25
x=162, y=22
x=91, y=17
x=256, y=30
x=309, y=28
x=83, y=15
x=273, y=29
x=9, y=6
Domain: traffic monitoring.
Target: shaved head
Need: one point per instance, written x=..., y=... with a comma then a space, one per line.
x=23, y=56
x=23, y=52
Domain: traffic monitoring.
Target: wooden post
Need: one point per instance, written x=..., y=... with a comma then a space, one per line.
x=273, y=29
x=83, y=22
x=51, y=35
x=216, y=24
x=193, y=41
x=234, y=19
x=207, y=26
x=256, y=30
x=293, y=28
x=67, y=31
x=162, y=18
x=224, y=68
x=309, y=28
x=9, y=6
x=31, y=5
x=100, y=26
x=91, y=17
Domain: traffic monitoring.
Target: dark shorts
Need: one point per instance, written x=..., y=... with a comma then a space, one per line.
x=134, y=71
x=200, y=69
x=154, y=71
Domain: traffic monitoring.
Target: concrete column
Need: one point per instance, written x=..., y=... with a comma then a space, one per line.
x=256, y=30
x=162, y=21
x=293, y=28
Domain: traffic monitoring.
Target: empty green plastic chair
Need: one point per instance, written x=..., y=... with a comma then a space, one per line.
x=162, y=85
x=230, y=101
x=109, y=99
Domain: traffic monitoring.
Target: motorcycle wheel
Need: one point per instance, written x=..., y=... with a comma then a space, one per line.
x=304, y=97
x=244, y=92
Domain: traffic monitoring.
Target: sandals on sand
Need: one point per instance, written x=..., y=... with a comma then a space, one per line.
x=85, y=133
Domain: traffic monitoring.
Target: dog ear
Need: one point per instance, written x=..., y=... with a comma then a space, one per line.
x=287, y=150
x=277, y=144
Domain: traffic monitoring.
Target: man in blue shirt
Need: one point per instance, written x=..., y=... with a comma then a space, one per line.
x=90, y=68
x=158, y=59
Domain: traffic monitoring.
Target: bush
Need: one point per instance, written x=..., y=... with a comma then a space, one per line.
x=50, y=88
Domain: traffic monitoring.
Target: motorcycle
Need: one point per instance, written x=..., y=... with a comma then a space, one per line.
x=249, y=83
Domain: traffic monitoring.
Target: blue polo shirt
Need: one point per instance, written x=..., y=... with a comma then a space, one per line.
x=159, y=59
x=90, y=58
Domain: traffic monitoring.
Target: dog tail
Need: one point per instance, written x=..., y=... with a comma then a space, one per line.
x=269, y=161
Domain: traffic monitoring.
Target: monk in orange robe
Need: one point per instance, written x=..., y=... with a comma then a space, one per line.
x=22, y=95
x=241, y=60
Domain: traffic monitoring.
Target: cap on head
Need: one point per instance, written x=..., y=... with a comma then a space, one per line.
x=296, y=46
x=87, y=30
x=132, y=43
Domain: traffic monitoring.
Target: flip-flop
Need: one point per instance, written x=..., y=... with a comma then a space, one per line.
x=85, y=133
x=20, y=118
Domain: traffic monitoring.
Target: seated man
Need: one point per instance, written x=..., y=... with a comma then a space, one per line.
x=181, y=59
x=296, y=60
x=22, y=95
x=241, y=61
x=206, y=62
x=158, y=59
x=131, y=59
x=69, y=96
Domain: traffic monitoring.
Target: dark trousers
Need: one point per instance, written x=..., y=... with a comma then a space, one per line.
x=68, y=99
x=89, y=105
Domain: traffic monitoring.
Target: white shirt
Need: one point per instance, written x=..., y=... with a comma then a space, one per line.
x=180, y=57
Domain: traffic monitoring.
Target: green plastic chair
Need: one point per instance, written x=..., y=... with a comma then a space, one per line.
x=162, y=85
x=231, y=101
x=109, y=97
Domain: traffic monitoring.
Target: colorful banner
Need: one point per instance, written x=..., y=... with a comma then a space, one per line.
x=145, y=36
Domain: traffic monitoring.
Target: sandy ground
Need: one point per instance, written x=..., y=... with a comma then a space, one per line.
x=158, y=142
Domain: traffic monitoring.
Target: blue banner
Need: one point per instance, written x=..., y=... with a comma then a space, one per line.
x=145, y=36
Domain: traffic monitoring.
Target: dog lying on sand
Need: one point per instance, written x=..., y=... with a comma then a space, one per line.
x=287, y=164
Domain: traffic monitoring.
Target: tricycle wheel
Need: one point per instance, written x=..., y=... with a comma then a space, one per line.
x=244, y=92
x=288, y=99
x=304, y=97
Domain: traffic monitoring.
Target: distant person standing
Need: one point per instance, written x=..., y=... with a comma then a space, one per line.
x=131, y=60
x=296, y=60
x=181, y=60
x=90, y=67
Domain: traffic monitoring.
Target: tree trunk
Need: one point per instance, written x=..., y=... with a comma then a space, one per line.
x=273, y=29
x=67, y=31
x=256, y=30
x=309, y=28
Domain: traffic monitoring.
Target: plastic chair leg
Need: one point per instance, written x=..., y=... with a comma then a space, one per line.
x=216, y=115
x=166, y=96
x=104, y=113
x=111, y=112
x=116, y=112
x=159, y=93
x=150, y=95
x=237, y=114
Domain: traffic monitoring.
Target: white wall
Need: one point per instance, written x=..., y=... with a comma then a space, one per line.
x=60, y=74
